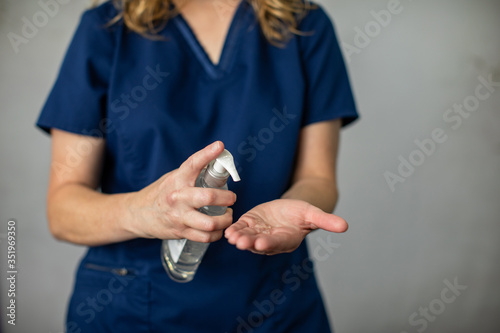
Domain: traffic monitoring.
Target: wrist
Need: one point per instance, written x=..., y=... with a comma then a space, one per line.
x=130, y=220
x=319, y=192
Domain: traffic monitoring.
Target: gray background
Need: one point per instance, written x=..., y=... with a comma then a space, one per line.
x=441, y=224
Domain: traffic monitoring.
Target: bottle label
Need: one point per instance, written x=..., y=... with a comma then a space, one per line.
x=176, y=246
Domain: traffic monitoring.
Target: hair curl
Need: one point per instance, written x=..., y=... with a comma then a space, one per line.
x=278, y=19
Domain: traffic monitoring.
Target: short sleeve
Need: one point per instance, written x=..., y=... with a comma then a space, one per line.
x=328, y=91
x=78, y=98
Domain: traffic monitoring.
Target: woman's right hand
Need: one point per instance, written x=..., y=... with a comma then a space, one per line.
x=168, y=208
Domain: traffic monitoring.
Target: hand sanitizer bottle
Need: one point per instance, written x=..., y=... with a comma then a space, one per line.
x=181, y=257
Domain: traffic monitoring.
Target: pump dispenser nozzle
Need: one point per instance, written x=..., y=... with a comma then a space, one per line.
x=223, y=166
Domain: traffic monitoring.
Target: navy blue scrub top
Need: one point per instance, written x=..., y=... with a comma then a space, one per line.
x=158, y=102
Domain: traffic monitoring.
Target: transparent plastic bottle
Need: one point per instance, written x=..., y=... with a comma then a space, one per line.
x=181, y=257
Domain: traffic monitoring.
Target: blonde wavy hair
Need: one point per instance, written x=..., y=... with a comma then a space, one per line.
x=278, y=19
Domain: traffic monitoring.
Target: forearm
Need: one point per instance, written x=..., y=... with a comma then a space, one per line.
x=319, y=192
x=80, y=215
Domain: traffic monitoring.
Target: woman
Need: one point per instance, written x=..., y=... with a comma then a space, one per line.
x=145, y=83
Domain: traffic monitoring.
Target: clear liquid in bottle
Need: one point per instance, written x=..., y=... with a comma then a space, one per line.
x=181, y=257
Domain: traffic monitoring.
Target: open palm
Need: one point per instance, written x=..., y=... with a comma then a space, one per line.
x=280, y=226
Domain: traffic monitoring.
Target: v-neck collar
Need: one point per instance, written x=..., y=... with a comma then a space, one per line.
x=226, y=60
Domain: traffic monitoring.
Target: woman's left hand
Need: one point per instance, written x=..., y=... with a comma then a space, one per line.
x=280, y=226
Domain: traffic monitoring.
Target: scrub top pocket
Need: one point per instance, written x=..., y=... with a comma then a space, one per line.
x=109, y=299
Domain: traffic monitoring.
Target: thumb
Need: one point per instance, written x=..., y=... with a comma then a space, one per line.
x=326, y=221
x=192, y=167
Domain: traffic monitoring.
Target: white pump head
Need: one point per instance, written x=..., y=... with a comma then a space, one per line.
x=225, y=164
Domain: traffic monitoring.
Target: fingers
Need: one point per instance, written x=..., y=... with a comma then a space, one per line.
x=240, y=235
x=260, y=232
x=272, y=245
x=173, y=202
x=197, y=226
x=206, y=229
x=192, y=167
x=246, y=238
x=231, y=232
x=199, y=221
x=243, y=241
x=203, y=237
x=199, y=197
x=321, y=220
